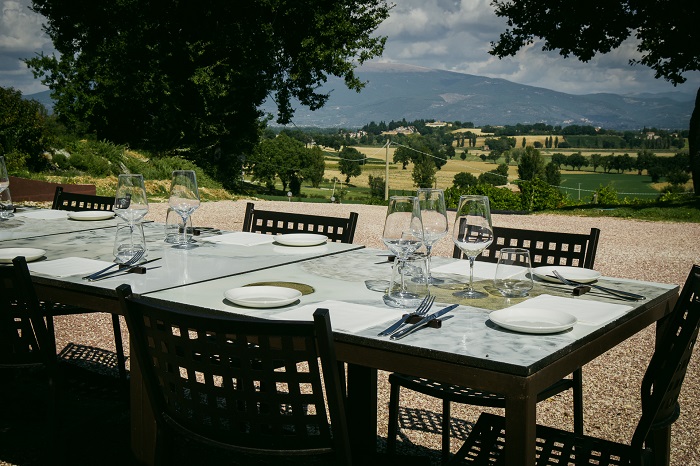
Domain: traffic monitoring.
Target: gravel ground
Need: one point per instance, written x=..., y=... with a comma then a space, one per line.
x=659, y=252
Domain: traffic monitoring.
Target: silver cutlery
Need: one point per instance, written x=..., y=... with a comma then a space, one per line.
x=131, y=270
x=421, y=310
x=617, y=293
x=121, y=269
x=136, y=257
x=418, y=325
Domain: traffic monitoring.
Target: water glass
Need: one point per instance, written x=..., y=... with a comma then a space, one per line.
x=513, y=272
x=173, y=228
x=6, y=206
x=409, y=282
x=129, y=240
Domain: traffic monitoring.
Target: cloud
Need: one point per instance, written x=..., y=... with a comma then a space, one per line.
x=457, y=35
x=21, y=37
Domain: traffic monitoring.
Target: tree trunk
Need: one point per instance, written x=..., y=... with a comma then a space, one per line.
x=694, y=145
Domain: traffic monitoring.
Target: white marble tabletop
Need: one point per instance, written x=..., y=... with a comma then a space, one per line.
x=29, y=223
x=175, y=267
x=468, y=337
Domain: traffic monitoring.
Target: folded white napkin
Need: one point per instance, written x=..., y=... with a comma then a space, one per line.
x=240, y=238
x=482, y=270
x=586, y=311
x=68, y=266
x=347, y=317
x=44, y=214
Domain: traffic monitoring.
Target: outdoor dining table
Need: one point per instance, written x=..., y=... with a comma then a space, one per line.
x=469, y=349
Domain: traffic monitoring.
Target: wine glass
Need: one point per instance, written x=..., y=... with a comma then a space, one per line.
x=473, y=232
x=4, y=179
x=131, y=205
x=130, y=201
x=435, y=225
x=184, y=199
x=403, y=233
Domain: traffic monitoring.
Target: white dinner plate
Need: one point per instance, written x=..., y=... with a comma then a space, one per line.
x=91, y=215
x=301, y=239
x=578, y=274
x=531, y=320
x=30, y=254
x=262, y=296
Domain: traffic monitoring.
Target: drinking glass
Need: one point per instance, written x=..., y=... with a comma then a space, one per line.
x=6, y=206
x=4, y=179
x=434, y=216
x=129, y=240
x=184, y=199
x=513, y=272
x=131, y=205
x=409, y=283
x=473, y=232
x=403, y=233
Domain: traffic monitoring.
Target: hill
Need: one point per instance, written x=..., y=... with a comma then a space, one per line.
x=395, y=91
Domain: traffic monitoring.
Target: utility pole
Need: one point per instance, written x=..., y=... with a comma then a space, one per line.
x=386, y=176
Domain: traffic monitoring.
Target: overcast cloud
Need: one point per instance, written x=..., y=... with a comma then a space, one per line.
x=452, y=35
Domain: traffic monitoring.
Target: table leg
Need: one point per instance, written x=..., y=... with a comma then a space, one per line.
x=143, y=424
x=361, y=408
x=520, y=430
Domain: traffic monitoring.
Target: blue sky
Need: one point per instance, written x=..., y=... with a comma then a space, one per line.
x=452, y=35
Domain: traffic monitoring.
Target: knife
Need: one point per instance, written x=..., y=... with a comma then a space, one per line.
x=422, y=323
x=124, y=269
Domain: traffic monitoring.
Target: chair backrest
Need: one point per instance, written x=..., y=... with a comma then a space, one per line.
x=24, y=339
x=662, y=381
x=79, y=202
x=546, y=247
x=253, y=386
x=340, y=230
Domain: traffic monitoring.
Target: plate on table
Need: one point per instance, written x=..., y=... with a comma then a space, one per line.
x=91, y=215
x=532, y=320
x=262, y=296
x=301, y=239
x=30, y=254
x=578, y=274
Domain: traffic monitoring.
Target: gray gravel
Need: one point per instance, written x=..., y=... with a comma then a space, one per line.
x=659, y=252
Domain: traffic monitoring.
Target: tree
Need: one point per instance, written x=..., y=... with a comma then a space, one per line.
x=531, y=165
x=552, y=174
x=349, y=164
x=463, y=180
x=190, y=76
x=314, y=166
x=424, y=173
x=24, y=130
x=666, y=32
x=576, y=161
x=558, y=159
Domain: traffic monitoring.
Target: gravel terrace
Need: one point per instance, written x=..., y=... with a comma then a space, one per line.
x=660, y=252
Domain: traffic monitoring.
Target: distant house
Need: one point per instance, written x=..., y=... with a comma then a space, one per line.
x=438, y=124
x=403, y=130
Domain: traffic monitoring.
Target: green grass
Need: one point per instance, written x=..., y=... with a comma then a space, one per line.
x=639, y=186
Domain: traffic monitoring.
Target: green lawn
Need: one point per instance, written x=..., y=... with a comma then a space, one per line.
x=627, y=185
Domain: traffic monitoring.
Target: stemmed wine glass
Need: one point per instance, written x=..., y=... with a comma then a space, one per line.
x=131, y=205
x=403, y=231
x=435, y=225
x=473, y=232
x=184, y=199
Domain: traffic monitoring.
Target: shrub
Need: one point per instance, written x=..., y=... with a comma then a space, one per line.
x=538, y=195
x=606, y=195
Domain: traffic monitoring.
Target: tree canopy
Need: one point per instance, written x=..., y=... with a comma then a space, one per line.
x=667, y=36
x=190, y=76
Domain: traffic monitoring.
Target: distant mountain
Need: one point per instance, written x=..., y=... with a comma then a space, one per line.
x=396, y=91
x=43, y=98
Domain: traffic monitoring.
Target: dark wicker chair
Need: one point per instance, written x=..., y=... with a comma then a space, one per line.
x=546, y=248
x=253, y=387
x=25, y=343
x=340, y=230
x=76, y=203
x=661, y=386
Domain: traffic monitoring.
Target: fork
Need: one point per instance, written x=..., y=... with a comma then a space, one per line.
x=134, y=259
x=420, y=311
x=617, y=293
